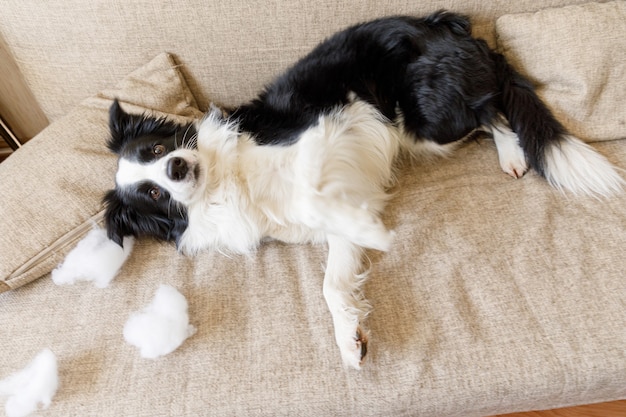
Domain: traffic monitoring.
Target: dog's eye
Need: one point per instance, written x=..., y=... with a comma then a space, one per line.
x=158, y=150
x=154, y=193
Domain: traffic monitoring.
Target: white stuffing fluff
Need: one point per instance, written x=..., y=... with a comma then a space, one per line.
x=95, y=258
x=162, y=326
x=36, y=384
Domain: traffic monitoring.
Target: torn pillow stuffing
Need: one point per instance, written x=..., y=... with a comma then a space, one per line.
x=95, y=258
x=36, y=384
x=162, y=326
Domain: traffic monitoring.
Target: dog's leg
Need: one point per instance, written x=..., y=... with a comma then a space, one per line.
x=344, y=295
x=510, y=153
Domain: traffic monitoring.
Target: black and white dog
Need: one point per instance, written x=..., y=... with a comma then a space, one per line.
x=310, y=159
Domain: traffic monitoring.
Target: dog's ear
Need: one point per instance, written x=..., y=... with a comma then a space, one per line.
x=120, y=125
x=116, y=218
x=125, y=126
x=123, y=220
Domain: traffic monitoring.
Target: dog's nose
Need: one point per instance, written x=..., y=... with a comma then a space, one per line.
x=177, y=169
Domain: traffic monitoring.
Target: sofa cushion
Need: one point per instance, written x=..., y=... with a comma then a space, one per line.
x=577, y=57
x=52, y=187
x=498, y=295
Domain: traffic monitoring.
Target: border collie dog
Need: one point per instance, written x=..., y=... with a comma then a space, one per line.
x=311, y=158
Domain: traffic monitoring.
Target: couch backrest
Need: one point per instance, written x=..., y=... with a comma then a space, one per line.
x=69, y=50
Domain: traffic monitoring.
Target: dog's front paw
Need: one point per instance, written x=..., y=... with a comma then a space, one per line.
x=353, y=348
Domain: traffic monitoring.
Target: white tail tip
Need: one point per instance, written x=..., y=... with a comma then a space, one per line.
x=574, y=166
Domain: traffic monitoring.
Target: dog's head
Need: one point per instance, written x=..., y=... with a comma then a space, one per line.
x=158, y=175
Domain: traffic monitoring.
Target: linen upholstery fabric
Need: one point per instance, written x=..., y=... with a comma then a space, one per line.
x=498, y=295
x=69, y=50
x=577, y=57
x=52, y=187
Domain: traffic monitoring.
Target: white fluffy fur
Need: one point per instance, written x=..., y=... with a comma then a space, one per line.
x=574, y=166
x=162, y=326
x=337, y=171
x=95, y=258
x=36, y=384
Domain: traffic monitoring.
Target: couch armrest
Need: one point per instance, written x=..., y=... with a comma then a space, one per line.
x=18, y=106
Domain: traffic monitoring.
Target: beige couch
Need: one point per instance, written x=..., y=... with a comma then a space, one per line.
x=499, y=295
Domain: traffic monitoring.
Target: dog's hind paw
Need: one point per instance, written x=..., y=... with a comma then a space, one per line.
x=515, y=167
x=510, y=154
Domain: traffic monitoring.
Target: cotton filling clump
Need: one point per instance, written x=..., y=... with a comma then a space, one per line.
x=95, y=258
x=162, y=326
x=36, y=384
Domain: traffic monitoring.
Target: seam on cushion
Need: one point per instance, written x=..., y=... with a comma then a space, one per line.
x=4, y=287
x=188, y=96
x=53, y=249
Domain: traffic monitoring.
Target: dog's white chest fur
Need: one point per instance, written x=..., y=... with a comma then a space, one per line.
x=332, y=181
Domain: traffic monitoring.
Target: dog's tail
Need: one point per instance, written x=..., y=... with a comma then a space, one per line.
x=565, y=161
